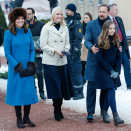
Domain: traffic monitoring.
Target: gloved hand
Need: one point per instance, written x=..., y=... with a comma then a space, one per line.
x=74, y=53
x=66, y=53
x=114, y=74
x=31, y=68
x=19, y=68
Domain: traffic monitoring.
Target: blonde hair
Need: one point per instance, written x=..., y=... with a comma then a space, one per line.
x=52, y=16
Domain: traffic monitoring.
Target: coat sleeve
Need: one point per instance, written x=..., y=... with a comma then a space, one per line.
x=67, y=44
x=102, y=63
x=8, y=49
x=118, y=61
x=44, y=36
x=32, y=50
x=78, y=35
x=88, y=36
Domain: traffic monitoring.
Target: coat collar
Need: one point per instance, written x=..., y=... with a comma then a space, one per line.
x=58, y=32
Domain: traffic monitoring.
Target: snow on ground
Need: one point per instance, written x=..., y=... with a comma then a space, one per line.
x=2, y=53
x=123, y=98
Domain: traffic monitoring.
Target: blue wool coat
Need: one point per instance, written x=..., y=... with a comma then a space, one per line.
x=19, y=48
x=108, y=60
x=93, y=30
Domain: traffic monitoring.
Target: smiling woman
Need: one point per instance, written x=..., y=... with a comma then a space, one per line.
x=20, y=53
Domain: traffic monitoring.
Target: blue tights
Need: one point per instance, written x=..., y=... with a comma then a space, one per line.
x=110, y=100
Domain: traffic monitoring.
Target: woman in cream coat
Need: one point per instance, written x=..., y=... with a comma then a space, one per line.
x=54, y=39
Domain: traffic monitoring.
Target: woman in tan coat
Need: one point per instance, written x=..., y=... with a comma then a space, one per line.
x=54, y=39
x=84, y=50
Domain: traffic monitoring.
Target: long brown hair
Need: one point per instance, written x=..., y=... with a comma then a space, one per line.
x=103, y=40
x=12, y=28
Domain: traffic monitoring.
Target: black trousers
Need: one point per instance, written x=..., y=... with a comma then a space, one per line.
x=39, y=74
x=91, y=98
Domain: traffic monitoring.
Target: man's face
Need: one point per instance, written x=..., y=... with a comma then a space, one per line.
x=69, y=12
x=30, y=15
x=103, y=12
x=114, y=11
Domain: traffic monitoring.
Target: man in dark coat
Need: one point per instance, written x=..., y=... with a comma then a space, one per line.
x=75, y=36
x=1, y=37
x=36, y=27
x=93, y=30
x=123, y=43
x=53, y=4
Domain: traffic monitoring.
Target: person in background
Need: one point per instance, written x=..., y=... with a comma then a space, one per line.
x=20, y=53
x=74, y=61
x=54, y=39
x=84, y=50
x=36, y=27
x=123, y=42
x=53, y=4
x=109, y=67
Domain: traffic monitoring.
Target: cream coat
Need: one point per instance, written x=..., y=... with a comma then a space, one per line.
x=50, y=40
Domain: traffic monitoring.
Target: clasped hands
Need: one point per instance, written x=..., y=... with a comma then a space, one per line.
x=30, y=71
x=62, y=53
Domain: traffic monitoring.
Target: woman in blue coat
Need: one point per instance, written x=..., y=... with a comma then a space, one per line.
x=20, y=53
x=108, y=68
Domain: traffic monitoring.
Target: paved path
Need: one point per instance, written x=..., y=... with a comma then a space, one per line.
x=42, y=115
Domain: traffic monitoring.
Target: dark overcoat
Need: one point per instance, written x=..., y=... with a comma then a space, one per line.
x=122, y=28
x=93, y=30
x=107, y=60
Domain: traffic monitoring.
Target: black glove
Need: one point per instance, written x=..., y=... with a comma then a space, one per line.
x=114, y=74
x=31, y=68
x=19, y=68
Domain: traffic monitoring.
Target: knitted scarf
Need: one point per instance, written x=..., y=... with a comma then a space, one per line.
x=31, y=25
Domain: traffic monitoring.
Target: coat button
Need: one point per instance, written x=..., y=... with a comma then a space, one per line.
x=61, y=41
x=51, y=52
x=55, y=41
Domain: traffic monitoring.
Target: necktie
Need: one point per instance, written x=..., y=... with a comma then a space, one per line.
x=119, y=31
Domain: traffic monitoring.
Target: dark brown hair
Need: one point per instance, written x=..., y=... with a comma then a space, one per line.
x=12, y=28
x=103, y=40
x=105, y=6
x=89, y=14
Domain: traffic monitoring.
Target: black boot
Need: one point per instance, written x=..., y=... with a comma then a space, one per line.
x=19, y=118
x=26, y=118
x=105, y=117
x=57, y=114
x=61, y=114
x=117, y=119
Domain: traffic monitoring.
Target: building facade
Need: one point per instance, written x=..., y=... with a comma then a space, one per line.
x=93, y=5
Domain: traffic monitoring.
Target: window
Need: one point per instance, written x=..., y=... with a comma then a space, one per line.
x=100, y=2
x=90, y=2
x=81, y=1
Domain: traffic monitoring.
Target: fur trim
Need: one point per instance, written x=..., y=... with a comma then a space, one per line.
x=18, y=67
x=32, y=64
x=15, y=13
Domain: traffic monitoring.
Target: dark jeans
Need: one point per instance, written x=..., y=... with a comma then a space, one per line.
x=110, y=100
x=126, y=66
x=39, y=74
x=91, y=98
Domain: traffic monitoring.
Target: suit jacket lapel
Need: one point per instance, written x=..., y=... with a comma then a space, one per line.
x=98, y=27
x=119, y=24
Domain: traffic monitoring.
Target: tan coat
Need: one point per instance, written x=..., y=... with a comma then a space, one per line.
x=50, y=40
x=84, y=52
